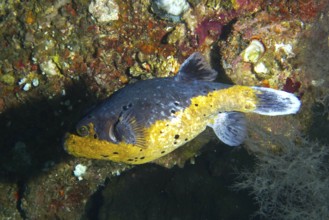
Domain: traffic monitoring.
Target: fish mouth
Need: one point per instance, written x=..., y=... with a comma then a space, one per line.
x=64, y=142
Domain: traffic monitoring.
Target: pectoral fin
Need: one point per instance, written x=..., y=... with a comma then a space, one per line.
x=128, y=129
x=230, y=127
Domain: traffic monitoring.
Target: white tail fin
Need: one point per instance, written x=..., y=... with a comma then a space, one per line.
x=276, y=102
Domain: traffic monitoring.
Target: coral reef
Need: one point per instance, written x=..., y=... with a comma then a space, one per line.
x=314, y=55
x=290, y=176
x=61, y=57
x=268, y=57
x=61, y=194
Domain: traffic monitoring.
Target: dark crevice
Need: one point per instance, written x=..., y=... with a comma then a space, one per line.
x=95, y=202
x=21, y=185
x=215, y=53
x=215, y=60
x=227, y=30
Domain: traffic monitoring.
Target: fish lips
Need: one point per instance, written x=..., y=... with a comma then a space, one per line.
x=64, y=142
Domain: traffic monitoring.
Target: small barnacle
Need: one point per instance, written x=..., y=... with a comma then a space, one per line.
x=35, y=82
x=286, y=48
x=253, y=52
x=27, y=87
x=261, y=70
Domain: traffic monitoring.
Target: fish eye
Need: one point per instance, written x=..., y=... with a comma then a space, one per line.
x=83, y=131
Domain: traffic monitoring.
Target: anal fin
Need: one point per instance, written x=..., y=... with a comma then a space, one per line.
x=230, y=127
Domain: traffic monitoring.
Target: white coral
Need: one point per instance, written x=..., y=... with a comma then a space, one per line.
x=104, y=10
x=173, y=7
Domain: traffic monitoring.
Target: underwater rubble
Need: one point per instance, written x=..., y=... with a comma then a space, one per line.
x=59, y=58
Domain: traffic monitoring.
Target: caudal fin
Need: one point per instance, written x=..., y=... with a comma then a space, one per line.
x=275, y=102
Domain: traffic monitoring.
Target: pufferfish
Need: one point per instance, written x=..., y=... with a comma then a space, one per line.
x=149, y=119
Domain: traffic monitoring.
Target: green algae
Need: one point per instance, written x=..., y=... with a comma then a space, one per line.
x=8, y=79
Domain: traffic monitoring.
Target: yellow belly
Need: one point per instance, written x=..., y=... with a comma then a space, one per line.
x=164, y=136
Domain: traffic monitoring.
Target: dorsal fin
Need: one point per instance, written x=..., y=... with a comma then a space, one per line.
x=196, y=68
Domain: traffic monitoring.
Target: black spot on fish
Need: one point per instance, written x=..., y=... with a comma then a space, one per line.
x=186, y=139
x=176, y=136
x=204, y=115
x=115, y=153
x=162, y=152
x=173, y=111
x=211, y=106
x=105, y=156
x=175, y=142
x=176, y=103
x=161, y=132
x=130, y=159
x=196, y=105
x=95, y=136
x=126, y=107
x=142, y=158
x=141, y=150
